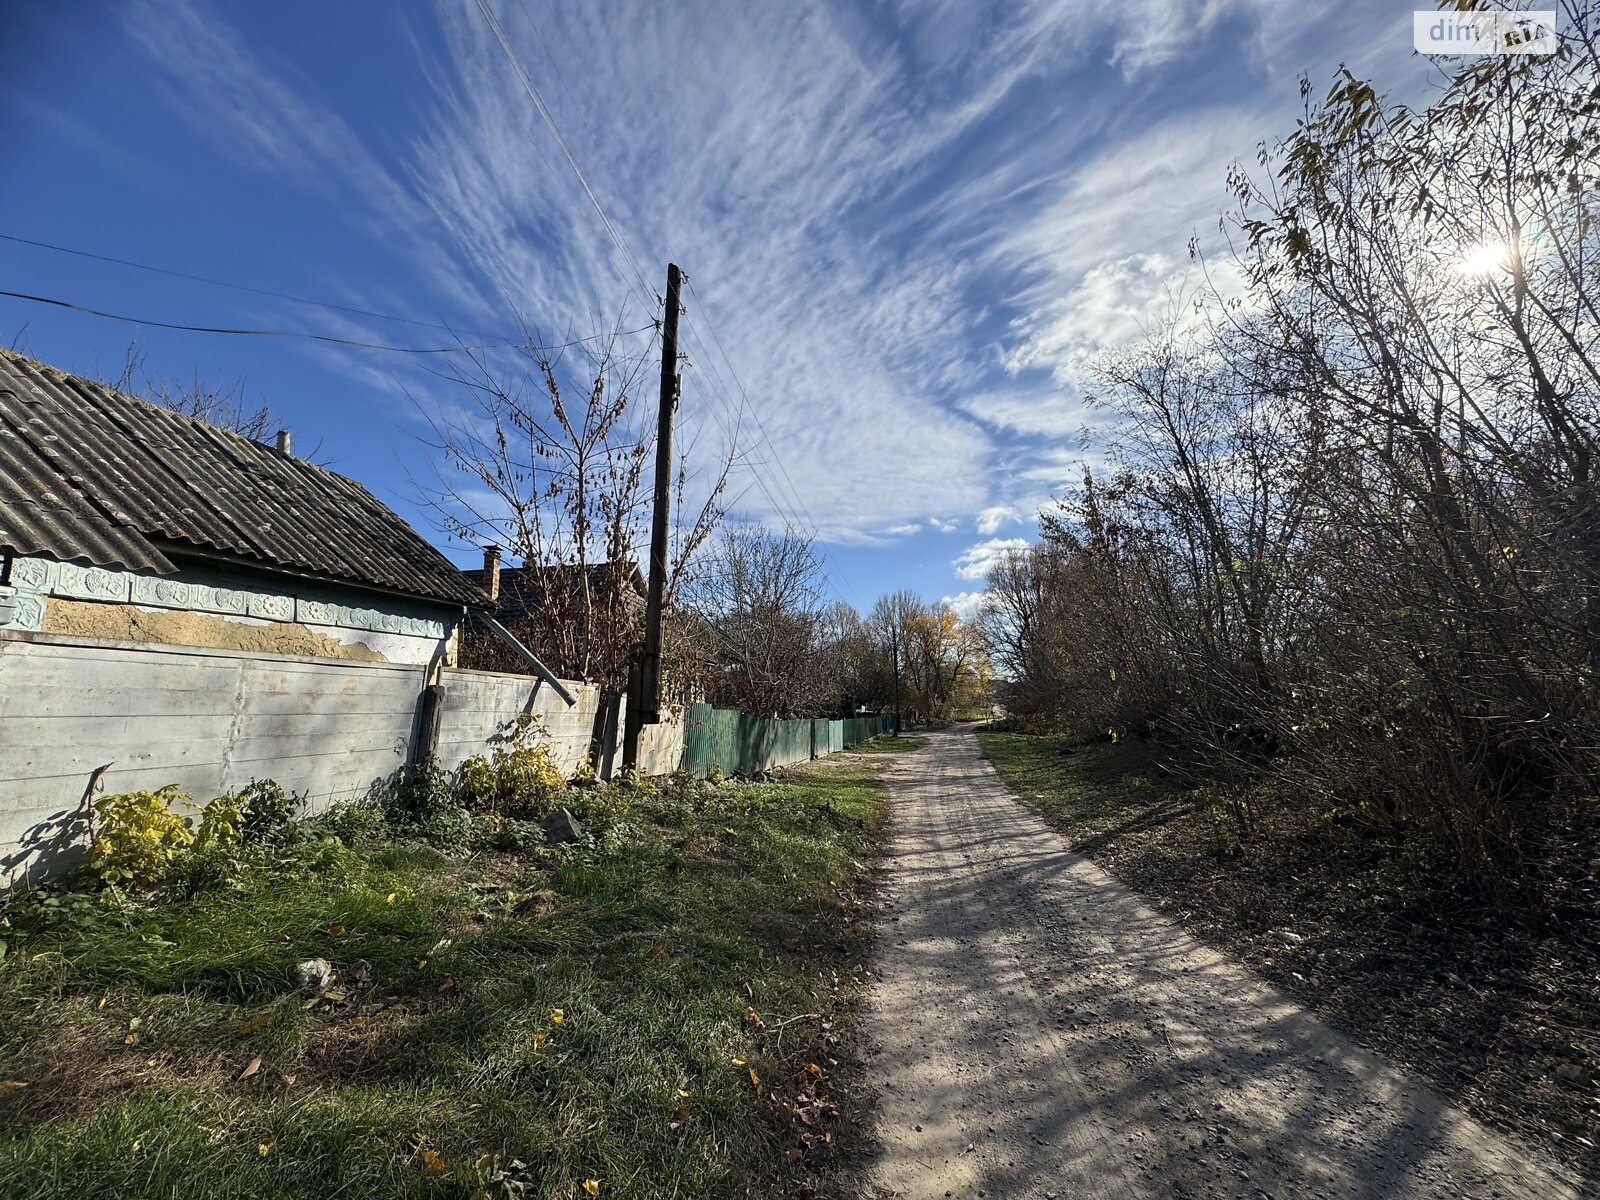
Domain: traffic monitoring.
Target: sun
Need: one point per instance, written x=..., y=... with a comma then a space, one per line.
x=1484, y=258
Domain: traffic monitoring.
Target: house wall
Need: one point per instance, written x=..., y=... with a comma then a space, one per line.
x=268, y=613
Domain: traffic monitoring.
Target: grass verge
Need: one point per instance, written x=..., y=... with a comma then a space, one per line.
x=1499, y=1008
x=666, y=1012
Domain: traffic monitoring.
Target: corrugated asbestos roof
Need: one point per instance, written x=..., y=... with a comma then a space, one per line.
x=90, y=475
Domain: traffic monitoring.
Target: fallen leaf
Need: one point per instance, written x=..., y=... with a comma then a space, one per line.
x=449, y=982
x=251, y=1067
x=265, y=1147
x=813, y=1069
x=685, y=1094
x=539, y=1039
x=131, y=1040
x=288, y=1080
x=557, y=1016
x=135, y=1022
x=389, y=899
x=656, y=951
x=255, y=1023
x=797, y=1154
x=337, y=930
x=137, y=1142
x=11, y=1085
x=103, y=1000
x=281, y=939
x=754, y=1078
x=592, y=1186
x=752, y=1017
x=682, y=1113
x=738, y=1062
x=432, y=1163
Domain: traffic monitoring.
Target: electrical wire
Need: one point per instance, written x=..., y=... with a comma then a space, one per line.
x=242, y=287
x=291, y=333
x=620, y=243
x=544, y=112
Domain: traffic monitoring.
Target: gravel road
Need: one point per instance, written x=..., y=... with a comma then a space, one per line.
x=1037, y=1030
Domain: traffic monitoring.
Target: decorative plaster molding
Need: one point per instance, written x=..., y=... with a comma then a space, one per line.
x=41, y=577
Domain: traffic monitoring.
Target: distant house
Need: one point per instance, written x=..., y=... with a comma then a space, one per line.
x=121, y=520
x=581, y=620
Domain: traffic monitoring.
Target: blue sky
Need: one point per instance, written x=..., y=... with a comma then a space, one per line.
x=906, y=222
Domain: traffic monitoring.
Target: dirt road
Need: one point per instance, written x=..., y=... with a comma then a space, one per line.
x=1037, y=1030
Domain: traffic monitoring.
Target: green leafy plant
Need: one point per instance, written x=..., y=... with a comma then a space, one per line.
x=521, y=780
x=222, y=823
x=352, y=822
x=270, y=811
x=137, y=837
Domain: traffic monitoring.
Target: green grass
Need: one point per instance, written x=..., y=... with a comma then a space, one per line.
x=129, y=1033
x=1096, y=791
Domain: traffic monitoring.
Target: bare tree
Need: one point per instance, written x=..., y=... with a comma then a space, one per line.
x=559, y=482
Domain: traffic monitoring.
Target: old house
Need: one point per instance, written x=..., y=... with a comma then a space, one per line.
x=179, y=603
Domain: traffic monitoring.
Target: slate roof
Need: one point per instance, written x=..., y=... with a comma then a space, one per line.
x=93, y=476
x=522, y=589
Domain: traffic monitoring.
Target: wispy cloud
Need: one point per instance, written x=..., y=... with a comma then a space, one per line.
x=996, y=515
x=977, y=560
x=906, y=224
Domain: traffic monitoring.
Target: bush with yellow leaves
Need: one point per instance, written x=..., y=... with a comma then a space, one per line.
x=137, y=837
x=520, y=781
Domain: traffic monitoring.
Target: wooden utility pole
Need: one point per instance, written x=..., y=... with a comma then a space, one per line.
x=644, y=703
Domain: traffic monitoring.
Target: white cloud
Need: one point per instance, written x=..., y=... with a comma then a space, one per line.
x=862, y=205
x=903, y=530
x=996, y=515
x=965, y=604
x=977, y=559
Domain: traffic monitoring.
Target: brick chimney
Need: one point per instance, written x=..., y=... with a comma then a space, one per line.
x=491, y=572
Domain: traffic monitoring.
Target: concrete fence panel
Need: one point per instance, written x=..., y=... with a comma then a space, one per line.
x=76, y=713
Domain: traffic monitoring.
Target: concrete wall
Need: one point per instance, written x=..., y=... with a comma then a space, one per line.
x=83, y=715
x=75, y=710
x=481, y=708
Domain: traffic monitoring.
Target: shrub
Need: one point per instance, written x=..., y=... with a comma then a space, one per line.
x=222, y=823
x=522, y=781
x=137, y=837
x=352, y=822
x=269, y=813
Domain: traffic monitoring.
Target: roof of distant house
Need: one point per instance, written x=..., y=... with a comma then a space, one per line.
x=523, y=589
x=94, y=476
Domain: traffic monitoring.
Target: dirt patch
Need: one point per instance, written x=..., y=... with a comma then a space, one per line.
x=169, y=627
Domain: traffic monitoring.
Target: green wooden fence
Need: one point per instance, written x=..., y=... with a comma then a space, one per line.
x=735, y=743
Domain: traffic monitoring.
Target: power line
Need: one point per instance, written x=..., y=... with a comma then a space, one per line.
x=242, y=287
x=544, y=112
x=619, y=241
x=289, y=333
x=765, y=436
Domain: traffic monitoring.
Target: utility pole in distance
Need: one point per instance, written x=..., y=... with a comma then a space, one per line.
x=644, y=705
x=894, y=650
